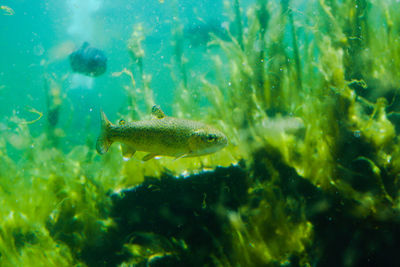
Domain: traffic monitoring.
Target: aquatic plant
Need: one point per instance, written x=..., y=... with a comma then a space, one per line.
x=308, y=99
x=349, y=147
x=137, y=95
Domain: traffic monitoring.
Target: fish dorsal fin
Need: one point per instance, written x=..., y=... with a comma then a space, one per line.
x=157, y=113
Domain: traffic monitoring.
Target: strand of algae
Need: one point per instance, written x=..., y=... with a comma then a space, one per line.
x=178, y=52
x=286, y=9
x=7, y=11
x=263, y=18
x=183, y=97
x=137, y=55
x=54, y=101
x=34, y=111
x=238, y=22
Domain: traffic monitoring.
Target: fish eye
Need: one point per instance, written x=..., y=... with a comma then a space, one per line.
x=211, y=137
x=122, y=122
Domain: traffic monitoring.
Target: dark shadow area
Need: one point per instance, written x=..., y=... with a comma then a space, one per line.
x=184, y=221
x=340, y=237
x=181, y=218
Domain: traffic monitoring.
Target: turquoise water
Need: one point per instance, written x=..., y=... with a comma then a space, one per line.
x=306, y=93
x=38, y=38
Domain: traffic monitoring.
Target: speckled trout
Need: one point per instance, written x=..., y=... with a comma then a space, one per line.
x=161, y=136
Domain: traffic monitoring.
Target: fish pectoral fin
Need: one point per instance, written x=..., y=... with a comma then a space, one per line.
x=127, y=151
x=149, y=156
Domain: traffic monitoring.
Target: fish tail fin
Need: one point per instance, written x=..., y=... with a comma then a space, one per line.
x=104, y=141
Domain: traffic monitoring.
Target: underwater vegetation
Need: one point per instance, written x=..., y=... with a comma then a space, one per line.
x=307, y=97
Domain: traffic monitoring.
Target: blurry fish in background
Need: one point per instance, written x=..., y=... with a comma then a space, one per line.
x=88, y=61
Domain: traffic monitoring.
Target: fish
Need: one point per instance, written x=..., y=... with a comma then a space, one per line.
x=89, y=61
x=161, y=136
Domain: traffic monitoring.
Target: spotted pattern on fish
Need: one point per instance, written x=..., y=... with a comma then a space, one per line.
x=164, y=136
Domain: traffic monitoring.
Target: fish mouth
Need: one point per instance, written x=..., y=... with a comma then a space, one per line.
x=218, y=146
x=211, y=149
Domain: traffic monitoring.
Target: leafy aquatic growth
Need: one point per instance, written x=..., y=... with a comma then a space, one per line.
x=88, y=61
x=317, y=125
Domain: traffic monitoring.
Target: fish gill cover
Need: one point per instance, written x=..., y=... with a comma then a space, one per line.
x=306, y=93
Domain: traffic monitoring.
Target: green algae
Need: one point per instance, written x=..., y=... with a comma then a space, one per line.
x=308, y=100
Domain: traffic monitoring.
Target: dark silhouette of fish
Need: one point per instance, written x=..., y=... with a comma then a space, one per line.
x=88, y=61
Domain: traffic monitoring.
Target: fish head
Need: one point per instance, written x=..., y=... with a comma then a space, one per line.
x=206, y=141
